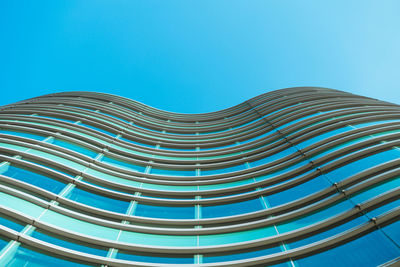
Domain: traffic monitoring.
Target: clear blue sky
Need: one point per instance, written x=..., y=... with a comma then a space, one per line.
x=198, y=56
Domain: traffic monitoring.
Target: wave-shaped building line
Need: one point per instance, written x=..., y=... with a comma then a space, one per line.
x=295, y=177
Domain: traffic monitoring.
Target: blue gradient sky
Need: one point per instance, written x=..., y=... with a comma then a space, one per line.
x=198, y=56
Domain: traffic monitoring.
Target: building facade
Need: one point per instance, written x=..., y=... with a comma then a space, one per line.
x=294, y=177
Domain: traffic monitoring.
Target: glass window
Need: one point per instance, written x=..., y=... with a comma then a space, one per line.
x=393, y=231
x=74, y=147
x=375, y=190
x=316, y=217
x=123, y=164
x=3, y=242
x=23, y=134
x=274, y=157
x=220, y=239
x=362, y=164
x=327, y=233
x=158, y=240
x=34, y=178
x=383, y=209
x=97, y=200
x=11, y=223
x=240, y=255
x=231, y=209
x=97, y=129
x=137, y=143
x=173, y=172
x=27, y=256
x=155, y=258
x=69, y=243
x=302, y=190
x=224, y=170
x=164, y=212
x=372, y=249
x=79, y=226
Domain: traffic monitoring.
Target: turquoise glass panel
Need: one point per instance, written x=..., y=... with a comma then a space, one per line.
x=224, y=170
x=323, y=136
x=158, y=240
x=69, y=243
x=383, y=209
x=3, y=242
x=143, y=257
x=137, y=143
x=231, y=209
x=170, y=172
x=20, y=205
x=123, y=164
x=74, y=147
x=111, y=178
x=375, y=190
x=360, y=165
x=302, y=190
x=164, y=212
x=363, y=251
x=11, y=223
x=34, y=178
x=79, y=226
x=59, y=119
x=365, y=124
x=118, y=118
x=226, y=185
x=327, y=233
x=177, y=149
x=25, y=256
x=283, y=170
x=276, y=156
x=258, y=137
x=220, y=239
x=170, y=187
x=209, y=258
x=315, y=217
x=23, y=134
x=393, y=231
x=97, y=200
x=98, y=129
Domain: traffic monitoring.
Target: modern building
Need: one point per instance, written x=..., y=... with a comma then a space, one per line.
x=294, y=177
